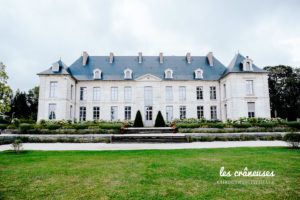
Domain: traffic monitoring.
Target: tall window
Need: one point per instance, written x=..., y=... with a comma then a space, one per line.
x=127, y=113
x=114, y=113
x=248, y=68
x=96, y=113
x=71, y=92
x=83, y=92
x=182, y=112
x=71, y=110
x=213, y=112
x=53, y=86
x=127, y=93
x=169, y=113
x=169, y=93
x=224, y=86
x=114, y=94
x=52, y=111
x=199, y=92
x=249, y=87
x=213, y=94
x=182, y=95
x=82, y=113
x=148, y=95
x=96, y=93
x=251, y=109
x=200, y=112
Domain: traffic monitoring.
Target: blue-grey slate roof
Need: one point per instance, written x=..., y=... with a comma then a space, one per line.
x=235, y=66
x=63, y=69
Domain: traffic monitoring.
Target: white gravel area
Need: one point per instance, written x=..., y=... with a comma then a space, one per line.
x=140, y=146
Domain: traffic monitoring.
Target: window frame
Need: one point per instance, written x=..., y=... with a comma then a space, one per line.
x=83, y=94
x=197, y=75
x=125, y=74
x=169, y=93
x=213, y=113
x=182, y=112
x=127, y=112
x=249, y=87
x=53, y=88
x=199, y=92
x=52, y=111
x=182, y=93
x=114, y=94
x=99, y=75
x=96, y=93
x=127, y=97
x=167, y=72
x=82, y=114
x=96, y=112
x=200, y=112
x=213, y=93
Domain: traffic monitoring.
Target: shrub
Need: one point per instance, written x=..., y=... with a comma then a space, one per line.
x=34, y=131
x=242, y=125
x=67, y=127
x=80, y=126
x=27, y=121
x=11, y=126
x=53, y=126
x=110, y=126
x=138, y=121
x=159, y=121
x=25, y=127
x=186, y=125
x=17, y=145
x=293, y=124
x=215, y=125
x=293, y=139
x=3, y=126
x=16, y=122
x=266, y=124
x=93, y=127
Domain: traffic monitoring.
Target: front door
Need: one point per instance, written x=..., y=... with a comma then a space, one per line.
x=169, y=113
x=148, y=116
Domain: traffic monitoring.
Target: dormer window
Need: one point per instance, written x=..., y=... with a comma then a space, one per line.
x=97, y=74
x=198, y=74
x=169, y=74
x=247, y=64
x=127, y=74
x=55, y=67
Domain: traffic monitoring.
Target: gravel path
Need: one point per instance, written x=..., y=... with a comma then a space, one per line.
x=139, y=146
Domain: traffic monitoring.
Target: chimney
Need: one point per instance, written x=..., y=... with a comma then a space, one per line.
x=85, y=57
x=161, y=57
x=188, y=57
x=140, y=57
x=210, y=59
x=111, y=57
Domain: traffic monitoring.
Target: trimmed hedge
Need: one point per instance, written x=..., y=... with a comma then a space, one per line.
x=292, y=124
x=53, y=126
x=243, y=125
x=293, y=139
x=25, y=127
x=3, y=126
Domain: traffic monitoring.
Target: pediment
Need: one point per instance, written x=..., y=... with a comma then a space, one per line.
x=148, y=77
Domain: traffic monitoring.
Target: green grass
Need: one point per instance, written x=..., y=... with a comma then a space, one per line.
x=148, y=174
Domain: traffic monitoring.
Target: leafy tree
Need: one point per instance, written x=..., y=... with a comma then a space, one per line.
x=5, y=91
x=138, y=121
x=33, y=101
x=284, y=89
x=159, y=121
x=19, y=106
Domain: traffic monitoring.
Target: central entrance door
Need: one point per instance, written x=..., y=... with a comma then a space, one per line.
x=148, y=116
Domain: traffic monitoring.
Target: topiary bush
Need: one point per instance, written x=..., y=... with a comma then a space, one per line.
x=138, y=121
x=159, y=121
x=293, y=139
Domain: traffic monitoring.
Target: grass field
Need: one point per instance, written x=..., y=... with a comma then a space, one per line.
x=149, y=174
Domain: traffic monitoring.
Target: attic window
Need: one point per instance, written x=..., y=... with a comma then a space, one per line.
x=198, y=74
x=127, y=74
x=169, y=74
x=55, y=67
x=97, y=74
x=247, y=64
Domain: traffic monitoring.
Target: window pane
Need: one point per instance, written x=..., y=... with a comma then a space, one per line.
x=52, y=111
x=127, y=93
x=96, y=96
x=148, y=95
x=169, y=113
x=82, y=114
x=169, y=93
x=249, y=87
x=114, y=94
x=182, y=112
x=199, y=92
x=182, y=95
x=53, y=86
x=200, y=112
x=127, y=113
x=213, y=112
x=83, y=92
x=213, y=94
x=96, y=113
x=114, y=113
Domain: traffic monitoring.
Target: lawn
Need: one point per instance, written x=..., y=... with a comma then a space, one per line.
x=149, y=174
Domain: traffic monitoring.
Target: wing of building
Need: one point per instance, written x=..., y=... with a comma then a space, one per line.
x=116, y=87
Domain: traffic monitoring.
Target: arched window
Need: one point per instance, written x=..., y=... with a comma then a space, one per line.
x=97, y=74
x=198, y=74
x=169, y=74
x=127, y=74
x=247, y=64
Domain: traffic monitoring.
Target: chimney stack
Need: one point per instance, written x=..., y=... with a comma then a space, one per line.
x=210, y=59
x=161, y=57
x=85, y=57
x=111, y=57
x=140, y=57
x=188, y=57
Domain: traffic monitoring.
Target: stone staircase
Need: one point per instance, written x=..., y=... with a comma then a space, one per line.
x=149, y=138
x=147, y=130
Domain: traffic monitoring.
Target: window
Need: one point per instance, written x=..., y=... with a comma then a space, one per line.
x=127, y=93
x=52, y=111
x=127, y=74
x=82, y=113
x=114, y=94
x=225, y=108
x=71, y=108
x=53, y=86
x=251, y=109
x=169, y=113
x=224, y=86
x=248, y=68
x=182, y=95
x=96, y=93
x=127, y=113
x=114, y=113
x=71, y=93
x=182, y=112
x=169, y=74
x=213, y=112
x=148, y=95
x=169, y=93
x=200, y=112
x=249, y=87
x=97, y=74
x=96, y=113
x=199, y=92
x=213, y=94
x=83, y=92
x=247, y=64
x=198, y=74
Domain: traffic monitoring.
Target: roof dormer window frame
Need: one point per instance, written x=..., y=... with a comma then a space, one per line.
x=127, y=74
x=197, y=71
x=55, y=67
x=168, y=73
x=247, y=64
x=97, y=74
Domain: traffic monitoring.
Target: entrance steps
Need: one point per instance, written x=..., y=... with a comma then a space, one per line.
x=149, y=138
x=146, y=130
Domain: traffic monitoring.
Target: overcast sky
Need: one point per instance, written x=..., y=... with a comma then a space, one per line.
x=36, y=33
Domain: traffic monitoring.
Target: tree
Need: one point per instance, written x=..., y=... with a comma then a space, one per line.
x=33, y=101
x=5, y=91
x=284, y=90
x=159, y=121
x=138, y=121
x=19, y=106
